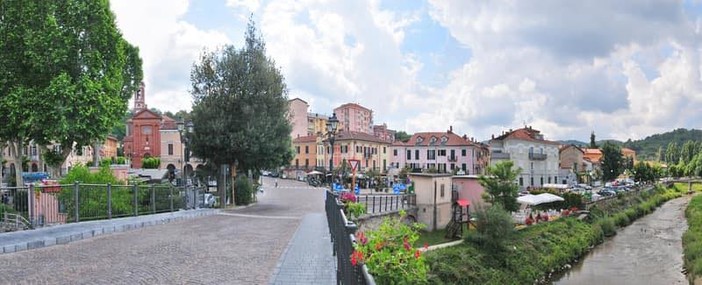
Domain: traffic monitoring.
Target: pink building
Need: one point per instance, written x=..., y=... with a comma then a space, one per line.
x=382, y=132
x=298, y=117
x=354, y=118
x=469, y=188
x=443, y=151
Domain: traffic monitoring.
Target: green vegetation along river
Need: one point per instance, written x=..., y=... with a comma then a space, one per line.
x=649, y=251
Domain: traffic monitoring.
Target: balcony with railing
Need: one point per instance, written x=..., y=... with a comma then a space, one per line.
x=537, y=156
x=452, y=158
x=500, y=155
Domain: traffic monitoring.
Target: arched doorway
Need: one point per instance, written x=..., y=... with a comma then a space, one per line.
x=35, y=168
x=171, y=172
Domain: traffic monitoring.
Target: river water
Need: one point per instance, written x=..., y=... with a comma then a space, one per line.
x=649, y=251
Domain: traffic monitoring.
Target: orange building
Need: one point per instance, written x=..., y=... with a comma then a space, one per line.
x=354, y=118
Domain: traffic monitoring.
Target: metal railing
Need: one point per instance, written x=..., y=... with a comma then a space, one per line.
x=343, y=236
x=500, y=155
x=44, y=205
x=382, y=203
x=537, y=156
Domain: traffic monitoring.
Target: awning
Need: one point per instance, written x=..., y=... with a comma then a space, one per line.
x=314, y=172
x=538, y=199
x=463, y=202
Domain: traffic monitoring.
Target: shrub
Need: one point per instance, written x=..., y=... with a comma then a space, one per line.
x=608, y=227
x=692, y=239
x=151, y=162
x=244, y=191
x=389, y=254
x=494, y=229
x=355, y=210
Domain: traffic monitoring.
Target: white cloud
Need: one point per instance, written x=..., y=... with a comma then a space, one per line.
x=624, y=71
x=167, y=44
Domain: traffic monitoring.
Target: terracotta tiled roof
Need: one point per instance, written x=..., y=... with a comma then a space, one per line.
x=350, y=135
x=438, y=139
x=592, y=151
x=526, y=134
x=305, y=139
x=293, y=99
x=168, y=123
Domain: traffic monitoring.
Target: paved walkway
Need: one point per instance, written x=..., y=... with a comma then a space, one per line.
x=283, y=239
x=308, y=258
x=63, y=234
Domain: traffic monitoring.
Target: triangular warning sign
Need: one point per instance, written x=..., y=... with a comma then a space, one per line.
x=354, y=164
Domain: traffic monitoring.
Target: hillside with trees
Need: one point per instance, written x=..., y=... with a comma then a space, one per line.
x=655, y=146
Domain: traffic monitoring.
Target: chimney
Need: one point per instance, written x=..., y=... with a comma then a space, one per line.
x=450, y=129
x=493, y=136
x=465, y=137
x=472, y=139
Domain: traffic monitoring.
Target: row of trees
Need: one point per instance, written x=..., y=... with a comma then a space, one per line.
x=66, y=75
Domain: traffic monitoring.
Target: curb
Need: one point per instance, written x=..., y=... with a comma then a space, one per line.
x=63, y=234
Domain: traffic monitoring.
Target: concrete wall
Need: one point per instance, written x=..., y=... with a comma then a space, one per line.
x=428, y=186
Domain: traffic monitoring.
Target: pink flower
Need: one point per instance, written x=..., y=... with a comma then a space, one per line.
x=417, y=254
x=356, y=257
x=426, y=246
x=361, y=237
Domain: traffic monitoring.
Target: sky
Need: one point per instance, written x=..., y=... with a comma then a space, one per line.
x=623, y=69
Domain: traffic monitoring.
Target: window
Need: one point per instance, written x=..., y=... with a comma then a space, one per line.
x=453, y=153
x=442, y=152
x=297, y=163
x=409, y=154
x=542, y=180
x=431, y=154
x=170, y=149
x=297, y=148
x=463, y=167
x=394, y=152
x=146, y=130
x=384, y=150
x=442, y=190
x=307, y=163
x=521, y=181
x=416, y=154
x=549, y=179
x=531, y=180
x=307, y=149
x=463, y=152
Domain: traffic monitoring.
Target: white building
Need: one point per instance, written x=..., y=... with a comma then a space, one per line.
x=526, y=147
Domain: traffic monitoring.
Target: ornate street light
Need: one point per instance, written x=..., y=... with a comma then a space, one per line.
x=183, y=130
x=332, y=124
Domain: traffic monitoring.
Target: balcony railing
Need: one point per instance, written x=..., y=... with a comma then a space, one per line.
x=537, y=156
x=452, y=158
x=500, y=155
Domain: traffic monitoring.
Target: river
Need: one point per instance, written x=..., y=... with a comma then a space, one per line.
x=649, y=251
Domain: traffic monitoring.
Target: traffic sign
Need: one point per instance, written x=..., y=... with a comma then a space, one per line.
x=354, y=164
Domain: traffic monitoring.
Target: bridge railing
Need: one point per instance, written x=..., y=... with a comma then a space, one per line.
x=43, y=205
x=343, y=236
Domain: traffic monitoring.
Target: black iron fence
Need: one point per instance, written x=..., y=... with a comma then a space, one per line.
x=42, y=205
x=343, y=236
x=387, y=203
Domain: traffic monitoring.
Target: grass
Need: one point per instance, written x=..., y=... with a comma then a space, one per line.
x=692, y=239
x=436, y=237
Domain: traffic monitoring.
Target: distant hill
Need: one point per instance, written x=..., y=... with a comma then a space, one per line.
x=573, y=142
x=648, y=148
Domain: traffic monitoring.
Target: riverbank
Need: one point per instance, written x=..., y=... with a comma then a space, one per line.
x=692, y=241
x=539, y=251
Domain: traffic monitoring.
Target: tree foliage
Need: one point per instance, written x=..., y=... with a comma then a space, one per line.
x=240, y=107
x=500, y=185
x=612, y=161
x=66, y=73
x=402, y=136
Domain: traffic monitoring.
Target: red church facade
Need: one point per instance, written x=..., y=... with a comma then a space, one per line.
x=143, y=137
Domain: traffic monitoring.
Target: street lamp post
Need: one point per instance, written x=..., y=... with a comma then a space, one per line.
x=332, y=124
x=183, y=130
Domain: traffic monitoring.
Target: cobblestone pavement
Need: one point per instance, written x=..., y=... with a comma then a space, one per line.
x=241, y=246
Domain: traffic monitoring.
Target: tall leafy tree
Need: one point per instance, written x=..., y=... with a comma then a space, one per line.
x=402, y=136
x=500, y=185
x=68, y=73
x=612, y=161
x=672, y=153
x=593, y=144
x=240, y=108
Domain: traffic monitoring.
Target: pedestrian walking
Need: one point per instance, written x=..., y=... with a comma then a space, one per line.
x=276, y=183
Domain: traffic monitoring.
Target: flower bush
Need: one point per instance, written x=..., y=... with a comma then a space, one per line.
x=389, y=254
x=347, y=197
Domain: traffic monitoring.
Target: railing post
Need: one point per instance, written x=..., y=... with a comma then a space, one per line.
x=153, y=199
x=109, y=201
x=170, y=189
x=136, y=205
x=30, y=205
x=76, y=200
